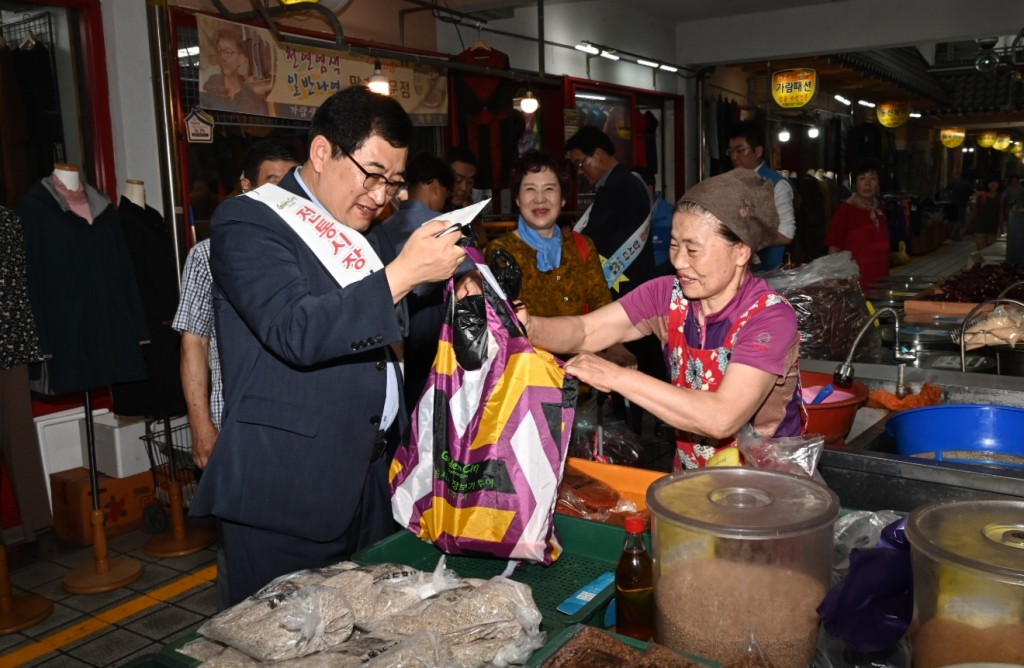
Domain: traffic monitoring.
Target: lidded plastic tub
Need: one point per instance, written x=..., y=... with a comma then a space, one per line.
x=968, y=560
x=740, y=551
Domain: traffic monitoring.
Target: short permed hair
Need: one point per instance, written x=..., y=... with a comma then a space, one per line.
x=425, y=167
x=532, y=162
x=351, y=116
x=864, y=166
x=588, y=139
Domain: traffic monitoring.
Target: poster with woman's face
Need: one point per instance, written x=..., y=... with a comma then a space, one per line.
x=244, y=70
x=237, y=68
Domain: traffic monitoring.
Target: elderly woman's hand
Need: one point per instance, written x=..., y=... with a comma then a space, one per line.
x=619, y=354
x=595, y=371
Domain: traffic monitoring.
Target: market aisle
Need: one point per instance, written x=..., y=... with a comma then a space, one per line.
x=171, y=599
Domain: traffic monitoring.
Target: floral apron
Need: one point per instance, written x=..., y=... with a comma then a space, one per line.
x=700, y=369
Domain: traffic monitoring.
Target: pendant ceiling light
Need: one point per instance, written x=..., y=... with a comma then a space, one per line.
x=378, y=82
x=529, y=104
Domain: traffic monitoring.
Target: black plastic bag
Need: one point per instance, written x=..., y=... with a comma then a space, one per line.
x=469, y=336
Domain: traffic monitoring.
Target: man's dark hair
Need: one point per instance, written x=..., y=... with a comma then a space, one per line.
x=425, y=167
x=265, y=149
x=532, y=162
x=864, y=166
x=351, y=116
x=588, y=139
x=751, y=131
x=459, y=154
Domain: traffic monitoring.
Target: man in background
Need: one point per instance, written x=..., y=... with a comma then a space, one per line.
x=430, y=182
x=619, y=222
x=266, y=161
x=463, y=165
x=746, y=149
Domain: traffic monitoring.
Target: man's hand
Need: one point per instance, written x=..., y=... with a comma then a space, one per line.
x=425, y=258
x=596, y=372
x=204, y=437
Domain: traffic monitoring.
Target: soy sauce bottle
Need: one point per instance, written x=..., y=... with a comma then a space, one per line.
x=634, y=585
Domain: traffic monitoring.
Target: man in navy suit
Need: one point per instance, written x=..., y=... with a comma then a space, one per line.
x=312, y=389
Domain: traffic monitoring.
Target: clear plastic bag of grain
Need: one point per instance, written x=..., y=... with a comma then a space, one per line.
x=284, y=620
x=495, y=623
x=379, y=590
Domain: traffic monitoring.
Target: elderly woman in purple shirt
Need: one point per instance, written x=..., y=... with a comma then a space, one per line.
x=731, y=341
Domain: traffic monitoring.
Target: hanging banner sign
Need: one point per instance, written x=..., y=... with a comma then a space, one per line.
x=243, y=70
x=986, y=139
x=952, y=137
x=793, y=89
x=893, y=114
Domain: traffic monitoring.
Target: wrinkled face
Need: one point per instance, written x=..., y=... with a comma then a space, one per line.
x=339, y=182
x=229, y=55
x=705, y=263
x=540, y=201
x=742, y=154
x=586, y=165
x=867, y=185
x=462, y=189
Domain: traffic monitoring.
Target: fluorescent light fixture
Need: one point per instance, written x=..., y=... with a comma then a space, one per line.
x=865, y=103
x=914, y=114
x=188, y=51
x=378, y=82
x=783, y=135
x=529, y=104
x=813, y=132
x=587, y=47
x=610, y=55
x=843, y=100
x=669, y=68
x=588, y=96
x=647, y=63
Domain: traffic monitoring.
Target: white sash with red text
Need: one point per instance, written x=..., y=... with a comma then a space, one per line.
x=345, y=253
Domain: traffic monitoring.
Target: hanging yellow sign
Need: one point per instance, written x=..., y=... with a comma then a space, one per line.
x=793, y=89
x=952, y=137
x=893, y=114
x=1002, y=142
x=986, y=139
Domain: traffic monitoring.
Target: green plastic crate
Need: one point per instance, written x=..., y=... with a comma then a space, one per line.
x=565, y=635
x=590, y=550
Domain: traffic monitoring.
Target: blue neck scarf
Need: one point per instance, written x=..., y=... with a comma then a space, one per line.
x=549, y=251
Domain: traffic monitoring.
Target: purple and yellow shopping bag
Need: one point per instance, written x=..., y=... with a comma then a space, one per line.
x=479, y=474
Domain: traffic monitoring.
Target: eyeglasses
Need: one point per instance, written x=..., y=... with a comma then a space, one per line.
x=227, y=53
x=739, y=150
x=374, y=181
x=578, y=165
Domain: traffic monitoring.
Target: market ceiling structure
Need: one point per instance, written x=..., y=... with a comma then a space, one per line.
x=947, y=91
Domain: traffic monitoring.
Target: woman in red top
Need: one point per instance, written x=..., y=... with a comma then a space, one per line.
x=860, y=226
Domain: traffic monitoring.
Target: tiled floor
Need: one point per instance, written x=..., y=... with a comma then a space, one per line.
x=174, y=596
x=111, y=628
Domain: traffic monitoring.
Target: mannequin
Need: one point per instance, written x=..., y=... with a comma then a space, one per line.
x=135, y=191
x=813, y=174
x=68, y=175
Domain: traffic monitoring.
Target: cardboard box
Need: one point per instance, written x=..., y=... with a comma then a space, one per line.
x=122, y=501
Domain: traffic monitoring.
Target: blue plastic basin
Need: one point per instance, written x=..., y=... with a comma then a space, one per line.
x=961, y=433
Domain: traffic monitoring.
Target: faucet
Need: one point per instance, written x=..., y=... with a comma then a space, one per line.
x=843, y=376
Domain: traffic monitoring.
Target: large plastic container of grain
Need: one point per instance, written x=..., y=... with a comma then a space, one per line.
x=968, y=561
x=741, y=551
